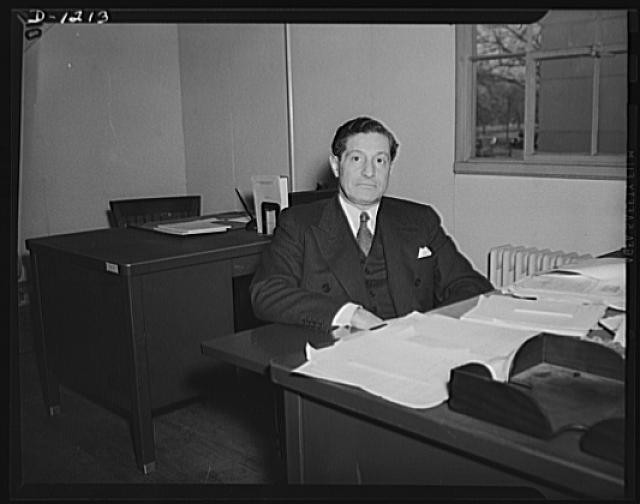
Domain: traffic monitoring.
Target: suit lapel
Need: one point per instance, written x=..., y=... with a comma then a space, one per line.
x=398, y=240
x=334, y=238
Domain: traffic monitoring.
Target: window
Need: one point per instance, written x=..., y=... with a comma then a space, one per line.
x=543, y=99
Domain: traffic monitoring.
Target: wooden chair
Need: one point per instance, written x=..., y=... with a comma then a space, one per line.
x=140, y=210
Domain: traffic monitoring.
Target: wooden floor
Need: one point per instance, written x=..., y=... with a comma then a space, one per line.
x=226, y=438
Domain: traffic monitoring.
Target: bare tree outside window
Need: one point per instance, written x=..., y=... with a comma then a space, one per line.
x=500, y=88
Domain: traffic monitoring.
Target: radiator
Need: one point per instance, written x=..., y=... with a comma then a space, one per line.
x=508, y=263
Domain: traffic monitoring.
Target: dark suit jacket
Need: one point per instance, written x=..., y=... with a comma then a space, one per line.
x=312, y=266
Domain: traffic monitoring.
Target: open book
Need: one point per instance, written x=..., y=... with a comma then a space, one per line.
x=409, y=360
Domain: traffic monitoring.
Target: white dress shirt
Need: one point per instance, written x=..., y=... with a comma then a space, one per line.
x=352, y=212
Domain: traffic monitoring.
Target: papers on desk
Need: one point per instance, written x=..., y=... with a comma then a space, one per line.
x=409, y=361
x=599, y=280
x=244, y=219
x=557, y=317
x=199, y=226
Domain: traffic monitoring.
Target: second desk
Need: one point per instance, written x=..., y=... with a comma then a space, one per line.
x=119, y=315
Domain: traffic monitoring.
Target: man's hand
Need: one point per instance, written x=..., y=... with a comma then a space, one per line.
x=360, y=320
x=364, y=319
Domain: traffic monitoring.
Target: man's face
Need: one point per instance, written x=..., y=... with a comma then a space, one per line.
x=363, y=169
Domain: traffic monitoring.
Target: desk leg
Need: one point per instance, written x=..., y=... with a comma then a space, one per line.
x=278, y=421
x=143, y=431
x=49, y=382
x=141, y=417
x=293, y=439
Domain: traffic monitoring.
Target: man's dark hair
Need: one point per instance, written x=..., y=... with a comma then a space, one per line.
x=361, y=125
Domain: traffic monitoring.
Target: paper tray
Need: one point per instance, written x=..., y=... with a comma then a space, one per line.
x=556, y=383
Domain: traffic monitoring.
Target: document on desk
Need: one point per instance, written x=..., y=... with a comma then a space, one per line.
x=600, y=280
x=409, y=361
x=557, y=317
x=244, y=219
x=199, y=226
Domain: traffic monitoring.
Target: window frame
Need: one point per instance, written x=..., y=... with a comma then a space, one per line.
x=602, y=166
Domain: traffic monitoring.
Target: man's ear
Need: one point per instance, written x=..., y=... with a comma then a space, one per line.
x=335, y=165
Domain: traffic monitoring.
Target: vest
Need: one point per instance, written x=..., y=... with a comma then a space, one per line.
x=374, y=272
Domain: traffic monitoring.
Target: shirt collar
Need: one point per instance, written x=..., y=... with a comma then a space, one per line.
x=352, y=213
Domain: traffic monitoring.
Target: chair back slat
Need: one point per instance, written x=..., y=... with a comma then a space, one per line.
x=126, y=212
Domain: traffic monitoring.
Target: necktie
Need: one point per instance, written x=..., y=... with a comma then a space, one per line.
x=364, y=236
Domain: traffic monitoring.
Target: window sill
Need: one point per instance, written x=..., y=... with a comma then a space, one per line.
x=521, y=169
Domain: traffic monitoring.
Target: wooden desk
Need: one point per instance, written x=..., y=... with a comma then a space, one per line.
x=254, y=349
x=341, y=434
x=119, y=315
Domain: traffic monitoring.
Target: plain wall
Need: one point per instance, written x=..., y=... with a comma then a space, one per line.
x=234, y=106
x=116, y=111
x=584, y=216
x=101, y=120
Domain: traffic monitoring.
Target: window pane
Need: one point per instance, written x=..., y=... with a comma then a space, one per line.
x=614, y=27
x=564, y=105
x=499, y=107
x=568, y=29
x=566, y=48
x=612, y=121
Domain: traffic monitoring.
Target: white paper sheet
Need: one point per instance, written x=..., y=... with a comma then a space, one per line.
x=565, y=318
x=599, y=280
x=409, y=361
x=609, y=269
x=199, y=226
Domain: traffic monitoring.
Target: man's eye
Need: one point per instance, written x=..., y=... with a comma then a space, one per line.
x=355, y=158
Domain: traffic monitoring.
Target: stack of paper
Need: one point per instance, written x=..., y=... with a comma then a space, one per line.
x=198, y=226
x=558, y=317
x=410, y=360
x=599, y=280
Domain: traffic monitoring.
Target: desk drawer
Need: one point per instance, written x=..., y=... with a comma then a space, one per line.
x=244, y=265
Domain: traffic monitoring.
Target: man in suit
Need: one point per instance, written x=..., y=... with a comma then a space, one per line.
x=360, y=257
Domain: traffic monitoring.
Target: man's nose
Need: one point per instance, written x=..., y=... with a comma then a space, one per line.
x=369, y=169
